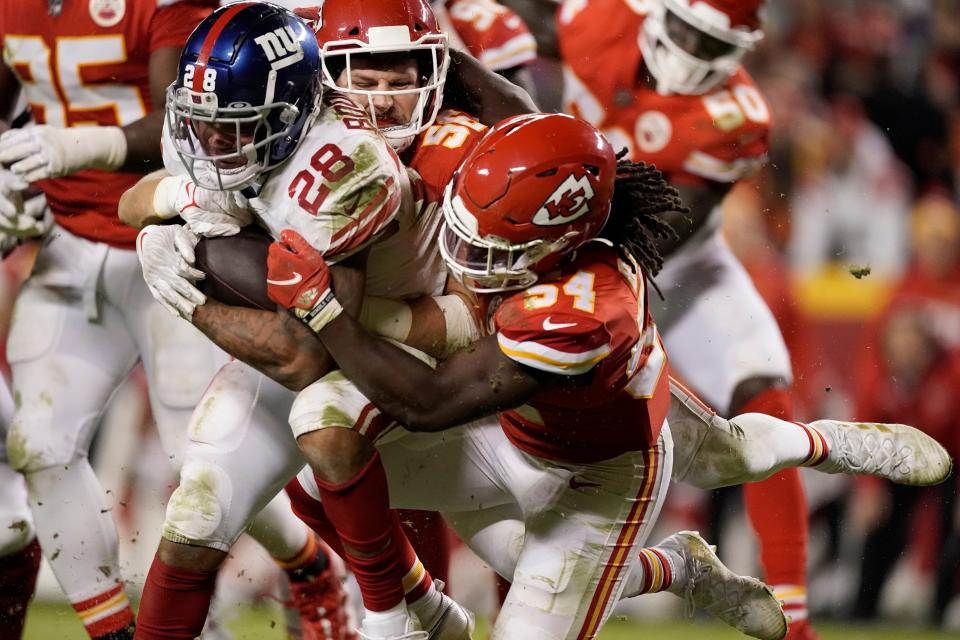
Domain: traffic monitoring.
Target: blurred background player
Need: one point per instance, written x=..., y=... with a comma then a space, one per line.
x=664, y=80
x=84, y=317
x=492, y=33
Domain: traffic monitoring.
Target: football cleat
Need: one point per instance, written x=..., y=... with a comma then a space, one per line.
x=450, y=621
x=744, y=603
x=897, y=452
x=322, y=607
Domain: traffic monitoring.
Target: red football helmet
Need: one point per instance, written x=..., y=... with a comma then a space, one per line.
x=536, y=187
x=346, y=28
x=691, y=46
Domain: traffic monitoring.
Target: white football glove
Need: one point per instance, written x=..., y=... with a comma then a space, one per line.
x=19, y=217
x=40, y=152
x=167, y=257
x=208, y=213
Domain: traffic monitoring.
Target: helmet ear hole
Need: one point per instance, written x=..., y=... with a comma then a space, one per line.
x=593, y=169
x=547, y=173
x=355, y=31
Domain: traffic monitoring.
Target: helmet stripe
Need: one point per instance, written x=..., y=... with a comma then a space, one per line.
x=211, y=39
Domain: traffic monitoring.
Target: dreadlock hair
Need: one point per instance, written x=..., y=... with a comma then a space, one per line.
x=640, y=196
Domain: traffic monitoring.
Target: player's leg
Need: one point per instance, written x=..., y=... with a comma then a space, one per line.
x=712, y=452
x=239, y=457
x=19, y=550
x=579, y=543
x=68, y=351
x=724, y=341
x=336, y=428
x=412, y=466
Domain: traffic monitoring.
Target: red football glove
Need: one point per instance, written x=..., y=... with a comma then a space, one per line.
x=298, y=279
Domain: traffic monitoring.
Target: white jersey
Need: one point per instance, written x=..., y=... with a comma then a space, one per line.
x=343, y=190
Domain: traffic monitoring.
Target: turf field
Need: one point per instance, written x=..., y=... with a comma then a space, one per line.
x=58, y=622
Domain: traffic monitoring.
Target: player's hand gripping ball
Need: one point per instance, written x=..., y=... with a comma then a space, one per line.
x=298, y=279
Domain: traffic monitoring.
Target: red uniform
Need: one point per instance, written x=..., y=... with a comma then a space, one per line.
x=491, y=32
x=721, y=136
x=592, y=318
x=88, y=66
x=440, y=150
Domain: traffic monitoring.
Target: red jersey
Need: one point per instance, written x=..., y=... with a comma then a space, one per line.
x=440, y=149
x=88, y=66
x=491, y=32
x=591, y=321
x=720, y=136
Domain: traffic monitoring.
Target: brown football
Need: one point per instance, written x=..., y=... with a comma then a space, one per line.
x=236, y=268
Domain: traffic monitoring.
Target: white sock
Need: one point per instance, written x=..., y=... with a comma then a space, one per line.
x=393, y=621
x=427, y=606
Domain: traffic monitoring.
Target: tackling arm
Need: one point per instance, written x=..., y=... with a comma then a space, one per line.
x=475, y=89
x=474, y=382
x=274, y=342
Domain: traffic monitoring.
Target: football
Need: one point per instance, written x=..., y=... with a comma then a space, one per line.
x=236, y=268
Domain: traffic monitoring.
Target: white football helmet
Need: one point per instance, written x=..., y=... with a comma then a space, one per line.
x=692, y=46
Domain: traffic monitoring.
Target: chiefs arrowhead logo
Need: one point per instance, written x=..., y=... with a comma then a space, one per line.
x=571, y=200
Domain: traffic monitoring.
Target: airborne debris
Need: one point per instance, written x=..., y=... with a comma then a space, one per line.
x=859, y=271
x=19, y=525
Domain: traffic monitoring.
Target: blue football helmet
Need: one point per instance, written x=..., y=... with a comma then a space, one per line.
x=245, y=95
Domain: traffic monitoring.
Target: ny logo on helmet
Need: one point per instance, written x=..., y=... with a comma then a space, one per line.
x=568, y=202
x=281, y=47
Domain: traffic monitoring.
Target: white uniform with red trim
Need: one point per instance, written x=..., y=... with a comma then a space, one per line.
x=13, y=493
x=717, y=328
x=559, y=495
x=85, y=318
x=242, y=437
x=491, y=32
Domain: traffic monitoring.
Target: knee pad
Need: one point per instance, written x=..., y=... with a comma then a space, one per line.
x=28, y=449
x=16, y=521
x=198, y=508
x=334, y=402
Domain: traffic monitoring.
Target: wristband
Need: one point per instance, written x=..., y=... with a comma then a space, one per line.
x=323, y=313
x=165, y=197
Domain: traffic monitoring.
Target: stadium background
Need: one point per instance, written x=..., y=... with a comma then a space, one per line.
x=852, y=234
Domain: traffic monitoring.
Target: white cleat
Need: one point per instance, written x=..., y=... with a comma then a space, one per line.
x=405, y=627
x=451, y=620
x=897, y=452
x=744, y=603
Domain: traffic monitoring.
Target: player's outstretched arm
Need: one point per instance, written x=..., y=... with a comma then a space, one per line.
x=473, y=88
x=272, y=342
x=476, y=381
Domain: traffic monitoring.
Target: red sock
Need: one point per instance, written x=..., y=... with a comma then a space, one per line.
x=360, y=510
x=416, y=577
x=312, y=513
x=777, y=507
x=175, y=603
x=427, y=532
x=18, y=577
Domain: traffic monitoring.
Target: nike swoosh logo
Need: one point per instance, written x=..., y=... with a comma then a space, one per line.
x=290, y=281
x=550, y=326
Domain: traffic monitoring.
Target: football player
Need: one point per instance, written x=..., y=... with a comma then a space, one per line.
x=517, y=218
x=341, y=183
x=663, y=79
x=84, y=318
